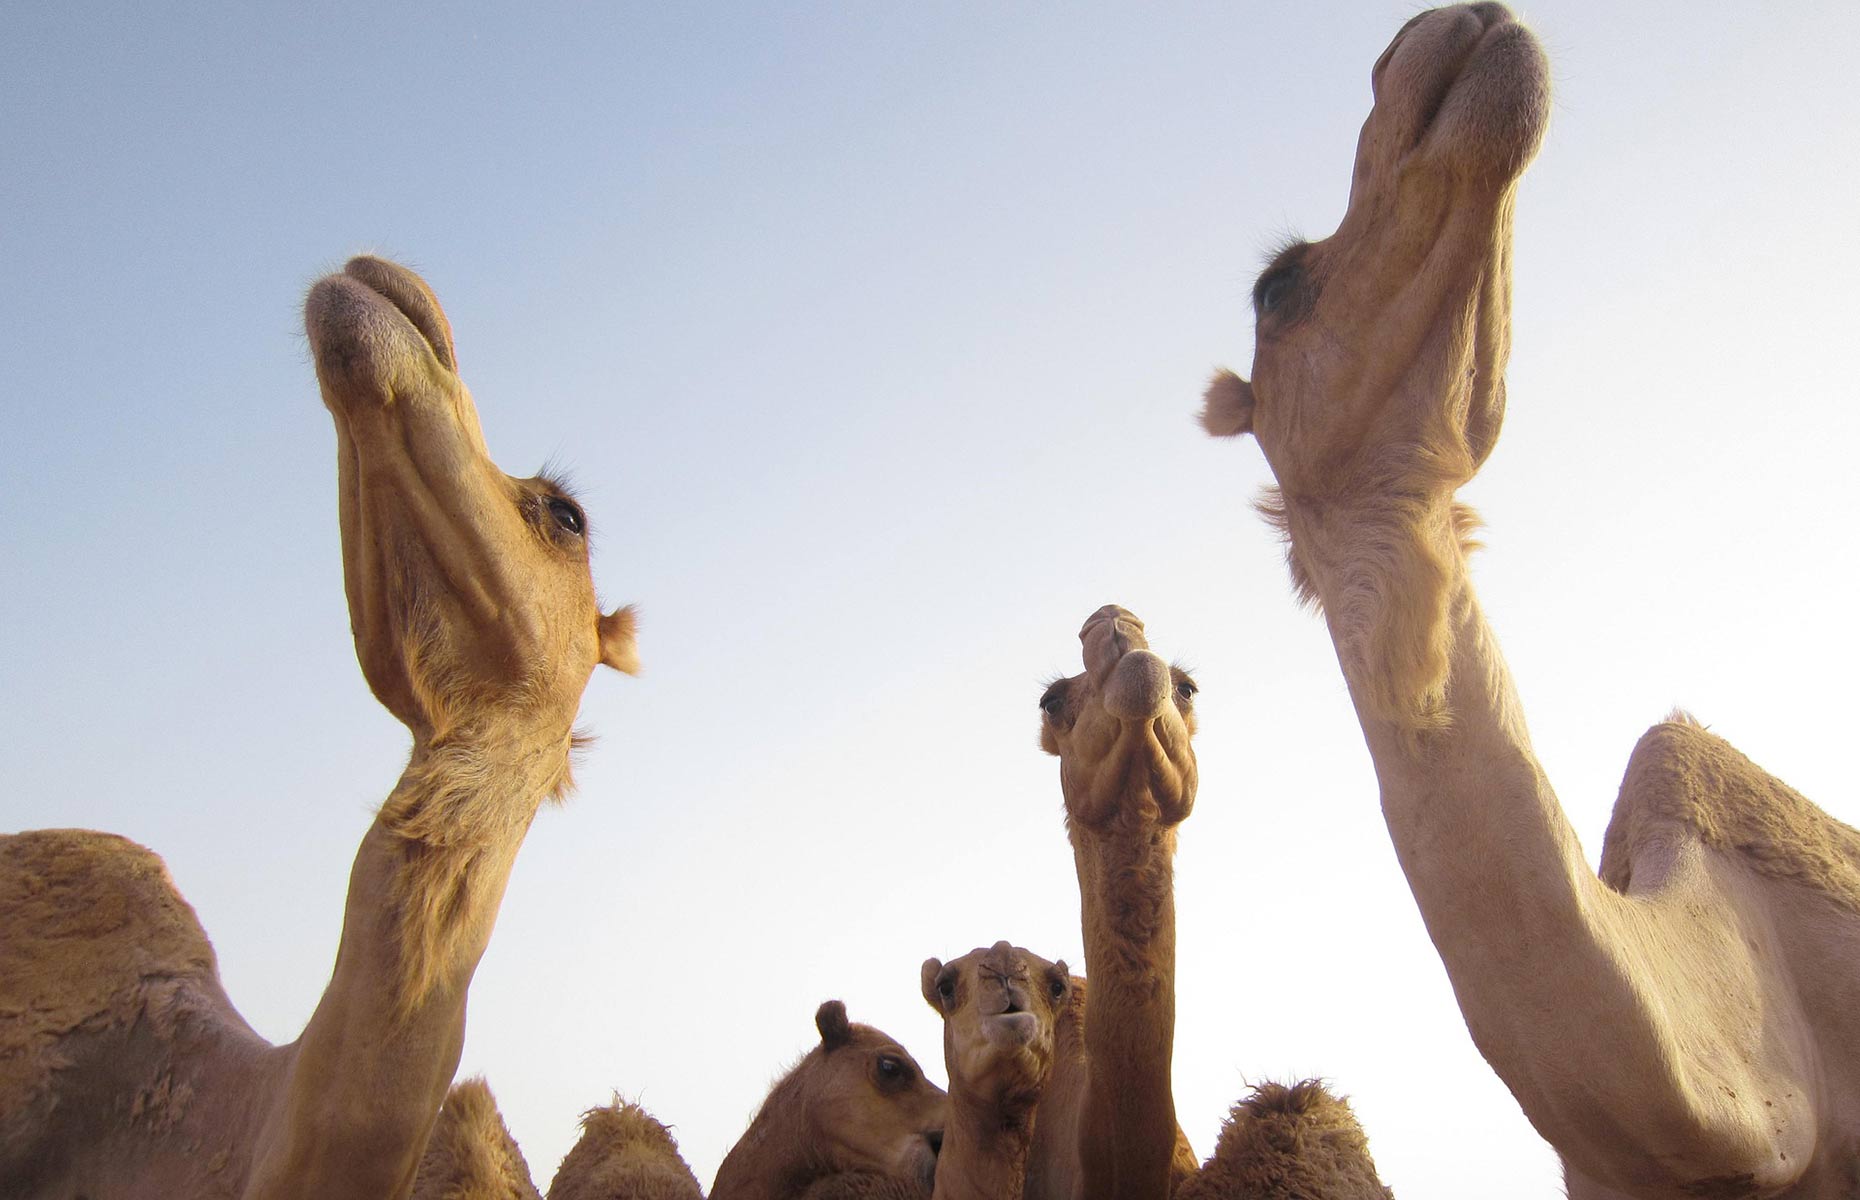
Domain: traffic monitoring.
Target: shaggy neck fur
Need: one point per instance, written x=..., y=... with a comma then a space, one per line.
x=373, y=1065
x=1623, y=1029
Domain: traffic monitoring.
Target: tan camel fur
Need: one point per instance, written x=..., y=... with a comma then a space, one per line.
x=1121, y=730
x=471, y=1155
x=1688, y=1024
x=1000, y=1008
x=857, y=1102
x=624, y=1154
x=1289, y=1143
x=124, y=1069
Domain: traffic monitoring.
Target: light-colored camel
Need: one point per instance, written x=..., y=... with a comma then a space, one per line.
x=856, y=1103
x=124, y=1069
x=1688, y=1024
x=470, y=1154
x=1000, y=1007
x=1122, y=730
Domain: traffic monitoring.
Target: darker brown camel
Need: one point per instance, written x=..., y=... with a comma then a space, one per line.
x=1688, y=1024
x=857, y=1106
x=125, y=1071
x=1122, y=730
x=1000, y=1008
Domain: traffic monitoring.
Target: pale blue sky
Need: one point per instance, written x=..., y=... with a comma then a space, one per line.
x=872, y=335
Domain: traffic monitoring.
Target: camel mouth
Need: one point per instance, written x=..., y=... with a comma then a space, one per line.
x=370, y=324
x=1011, y=1030
x=1471, y=85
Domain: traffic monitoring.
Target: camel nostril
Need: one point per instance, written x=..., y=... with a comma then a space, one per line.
x=935, y=1138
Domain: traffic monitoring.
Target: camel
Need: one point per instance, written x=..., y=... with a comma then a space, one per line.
x=624, y=1154
x=1122, y=730
x=125, y=1071
x=855, y=1104
x=1000, y=1008
x=470, y=1154
x=1688, y=1023
x=855, y=1117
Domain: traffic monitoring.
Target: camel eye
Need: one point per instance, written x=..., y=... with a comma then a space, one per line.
x=946, y=988
x=1275, y=287
x=1053, y=701
x=1057, y=987
x=567, y=515
x=1185, y=691
x=892, y=1070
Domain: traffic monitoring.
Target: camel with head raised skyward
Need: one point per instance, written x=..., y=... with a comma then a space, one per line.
x=856, y=1105
x=1122, y=730
x=1688, y=1024
x=124, y=1069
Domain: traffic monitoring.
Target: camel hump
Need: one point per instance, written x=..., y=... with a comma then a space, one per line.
x=470, y=1154
x=86, y=919
x=625, y=1153
x=1288, y=1142
x=85, y=915
x=1681, y=773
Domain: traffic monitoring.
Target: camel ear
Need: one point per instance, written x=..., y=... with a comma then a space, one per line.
x=618, y=649
x=1227, y=405
x=933, y=967
x=835, y=1029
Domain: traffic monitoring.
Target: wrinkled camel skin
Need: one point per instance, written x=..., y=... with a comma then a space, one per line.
x=1688, y=1024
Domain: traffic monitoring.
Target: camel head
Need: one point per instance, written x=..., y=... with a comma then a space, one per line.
x=1124, y=723
x=1000, y=1008
x=869, y=1107
x=469, y=590
x=1379, y=352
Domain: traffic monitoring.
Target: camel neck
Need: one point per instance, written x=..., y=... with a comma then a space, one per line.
x=984, y=1155
x=763, y=1165
x=372, y=1067
x=1538, y=950
x=1127, y=1125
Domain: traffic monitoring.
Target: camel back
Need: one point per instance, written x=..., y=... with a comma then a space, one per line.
x=1681, y=773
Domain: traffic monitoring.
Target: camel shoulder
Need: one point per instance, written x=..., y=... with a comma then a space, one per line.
x=1682, y=774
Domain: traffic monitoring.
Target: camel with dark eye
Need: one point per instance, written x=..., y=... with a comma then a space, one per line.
x=125, y=1071
x=1688, y=1023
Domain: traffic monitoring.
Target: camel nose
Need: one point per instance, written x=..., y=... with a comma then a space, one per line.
x=935, y=1138
x=1138, y=689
